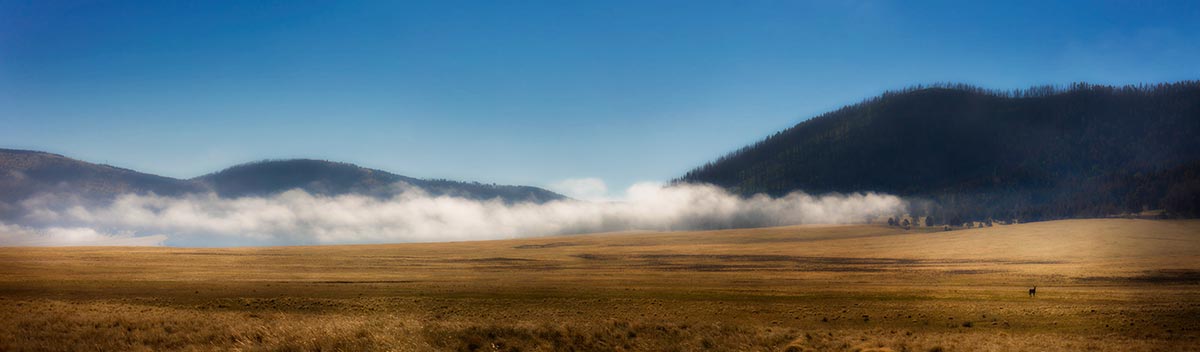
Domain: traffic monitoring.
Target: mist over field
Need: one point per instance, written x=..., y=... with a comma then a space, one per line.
x=297, y=217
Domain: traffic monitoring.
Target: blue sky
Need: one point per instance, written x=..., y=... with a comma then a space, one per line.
x=524, y=92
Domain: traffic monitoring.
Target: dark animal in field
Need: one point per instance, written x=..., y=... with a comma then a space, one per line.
x=1033, y=291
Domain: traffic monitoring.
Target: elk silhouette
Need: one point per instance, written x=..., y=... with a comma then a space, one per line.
x=1033, y=291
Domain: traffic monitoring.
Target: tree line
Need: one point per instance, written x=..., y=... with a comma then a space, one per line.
x=966, y=153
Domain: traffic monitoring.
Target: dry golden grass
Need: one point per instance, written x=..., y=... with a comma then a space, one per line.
x=1119, y=285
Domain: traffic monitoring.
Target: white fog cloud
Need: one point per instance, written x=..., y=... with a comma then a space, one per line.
x=296, y=217
x=15, y=235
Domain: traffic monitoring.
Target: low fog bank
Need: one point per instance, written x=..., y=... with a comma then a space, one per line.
x=296, y=217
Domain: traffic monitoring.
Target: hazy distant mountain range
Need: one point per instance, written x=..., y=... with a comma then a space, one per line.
x=1040, y=153
x=26, y=173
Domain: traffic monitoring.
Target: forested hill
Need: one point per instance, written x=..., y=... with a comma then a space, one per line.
x=1040, y=153
x=336, y=178
x=26, y=174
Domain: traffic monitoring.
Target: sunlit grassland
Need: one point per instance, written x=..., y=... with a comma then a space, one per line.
x=1102, y=285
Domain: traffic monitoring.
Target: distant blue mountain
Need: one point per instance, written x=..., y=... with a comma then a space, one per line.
x=25, y=173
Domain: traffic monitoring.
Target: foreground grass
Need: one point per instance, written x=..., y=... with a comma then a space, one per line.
x=1115, y=285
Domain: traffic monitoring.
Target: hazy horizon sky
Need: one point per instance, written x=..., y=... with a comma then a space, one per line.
x=588, y=95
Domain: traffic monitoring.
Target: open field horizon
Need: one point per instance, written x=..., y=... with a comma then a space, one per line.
x=1103, y=284
x=551, y=176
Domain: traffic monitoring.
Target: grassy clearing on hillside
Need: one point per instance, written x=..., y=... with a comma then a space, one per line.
x=1102, y=285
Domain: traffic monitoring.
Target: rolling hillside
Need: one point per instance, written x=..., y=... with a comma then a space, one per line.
x=334, y=178
x=1041, y=153
x=25, y=174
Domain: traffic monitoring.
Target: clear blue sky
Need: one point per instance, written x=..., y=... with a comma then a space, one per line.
x=523, y=92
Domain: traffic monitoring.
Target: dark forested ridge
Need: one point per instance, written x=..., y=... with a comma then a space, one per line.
x=25, y=174
x=1042, y=153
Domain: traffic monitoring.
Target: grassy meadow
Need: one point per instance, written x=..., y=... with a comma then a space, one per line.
x=1106, y=285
